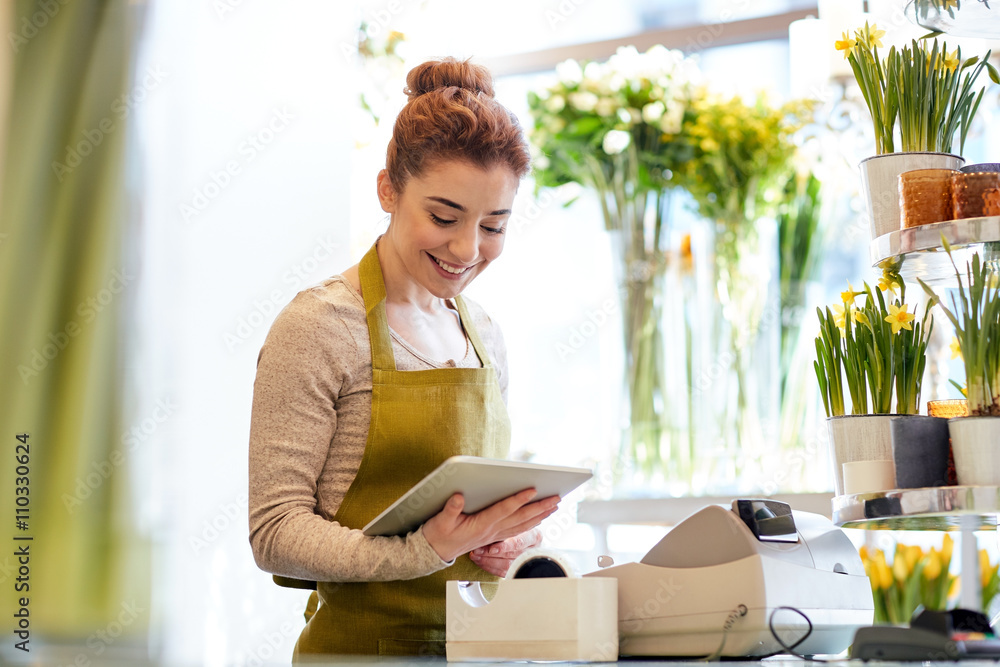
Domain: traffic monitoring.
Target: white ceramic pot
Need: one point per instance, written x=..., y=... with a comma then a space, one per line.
x=976, y=444
x=859, y=438
x=880, y=184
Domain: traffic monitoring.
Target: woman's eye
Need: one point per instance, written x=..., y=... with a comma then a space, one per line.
x=494, y=230
x=441, y=221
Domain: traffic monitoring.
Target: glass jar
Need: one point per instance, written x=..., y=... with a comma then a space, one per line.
x=991, y=201
x=968, y=193
x=925, y=196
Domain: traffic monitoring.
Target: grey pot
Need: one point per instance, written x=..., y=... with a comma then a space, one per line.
x=982, y=166
x=920, y=451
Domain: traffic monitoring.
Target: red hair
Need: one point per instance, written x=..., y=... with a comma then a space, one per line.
x=451, y=114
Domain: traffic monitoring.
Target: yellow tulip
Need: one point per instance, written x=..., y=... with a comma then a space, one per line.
x=932, y=565
x=899, y=568
x=986, y=571
x=884, y=574
x=946, y=547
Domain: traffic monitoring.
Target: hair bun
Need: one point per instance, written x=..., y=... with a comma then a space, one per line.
x=446, y=73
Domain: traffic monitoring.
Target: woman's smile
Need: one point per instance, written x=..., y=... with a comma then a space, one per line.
x=448, y=270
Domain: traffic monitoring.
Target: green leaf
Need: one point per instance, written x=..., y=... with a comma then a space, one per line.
x=931, y=35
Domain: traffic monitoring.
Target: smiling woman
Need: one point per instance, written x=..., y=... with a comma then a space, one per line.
x=371, y=379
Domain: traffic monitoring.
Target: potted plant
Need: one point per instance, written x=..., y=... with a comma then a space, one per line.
x=880, y=350
x=975, y=314
x=921, y=93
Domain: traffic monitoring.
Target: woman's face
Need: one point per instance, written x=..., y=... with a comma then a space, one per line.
x=448, y=224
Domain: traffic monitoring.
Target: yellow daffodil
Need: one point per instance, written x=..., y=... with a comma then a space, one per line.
x=899, y=318
x=948, y=4
x=870, y=36
x=888, y=282
x=839, y=318
x=861, y=318
x=846, y=45
x=849, y=295
x=950, y=60
x=956, y=349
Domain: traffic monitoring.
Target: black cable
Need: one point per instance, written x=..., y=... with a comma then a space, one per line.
x=791, y=649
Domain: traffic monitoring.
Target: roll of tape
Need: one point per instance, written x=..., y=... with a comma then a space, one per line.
x=540, y=563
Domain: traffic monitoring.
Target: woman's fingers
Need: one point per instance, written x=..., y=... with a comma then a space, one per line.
x=451, y=533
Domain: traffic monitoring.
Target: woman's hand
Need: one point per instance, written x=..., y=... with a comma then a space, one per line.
x=451, y=533
x=496, y=558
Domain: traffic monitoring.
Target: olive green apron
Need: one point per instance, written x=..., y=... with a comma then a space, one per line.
x=419, y=419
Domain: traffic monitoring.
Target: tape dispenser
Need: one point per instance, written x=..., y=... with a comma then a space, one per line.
x=540, y=611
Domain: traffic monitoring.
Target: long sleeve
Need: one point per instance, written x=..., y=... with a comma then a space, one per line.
x=308, y=430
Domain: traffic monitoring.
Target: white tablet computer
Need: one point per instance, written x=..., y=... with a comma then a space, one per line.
x=482, y=482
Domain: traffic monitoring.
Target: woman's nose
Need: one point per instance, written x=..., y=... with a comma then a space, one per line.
x=465, y=244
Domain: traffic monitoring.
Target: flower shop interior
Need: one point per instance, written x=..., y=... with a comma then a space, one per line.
x=736, y=287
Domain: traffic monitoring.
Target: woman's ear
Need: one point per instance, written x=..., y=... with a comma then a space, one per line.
x=386, y=193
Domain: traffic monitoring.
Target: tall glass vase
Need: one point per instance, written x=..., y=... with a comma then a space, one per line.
x=737, y=380
x=657, y=447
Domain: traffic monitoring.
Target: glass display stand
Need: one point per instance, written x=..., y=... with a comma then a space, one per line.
x=964, y=508
x=964, y=19
x=918, y=252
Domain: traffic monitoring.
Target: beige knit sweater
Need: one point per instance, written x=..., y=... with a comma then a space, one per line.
x=308, y=430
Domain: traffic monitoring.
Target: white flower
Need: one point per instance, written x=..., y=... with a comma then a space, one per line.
x=541, y=162
x=569, y=72
x=593, y=71
x=671, y=121
x=615, y=141
x=624, y=116
x=605, y=106
x=555, y=104
x=583, y=101
x=652, y=112
x=627, y=61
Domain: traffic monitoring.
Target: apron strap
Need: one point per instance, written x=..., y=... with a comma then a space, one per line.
x=373, y=292
x=470, y=331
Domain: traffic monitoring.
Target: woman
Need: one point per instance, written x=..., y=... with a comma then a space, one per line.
x=353, y=404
